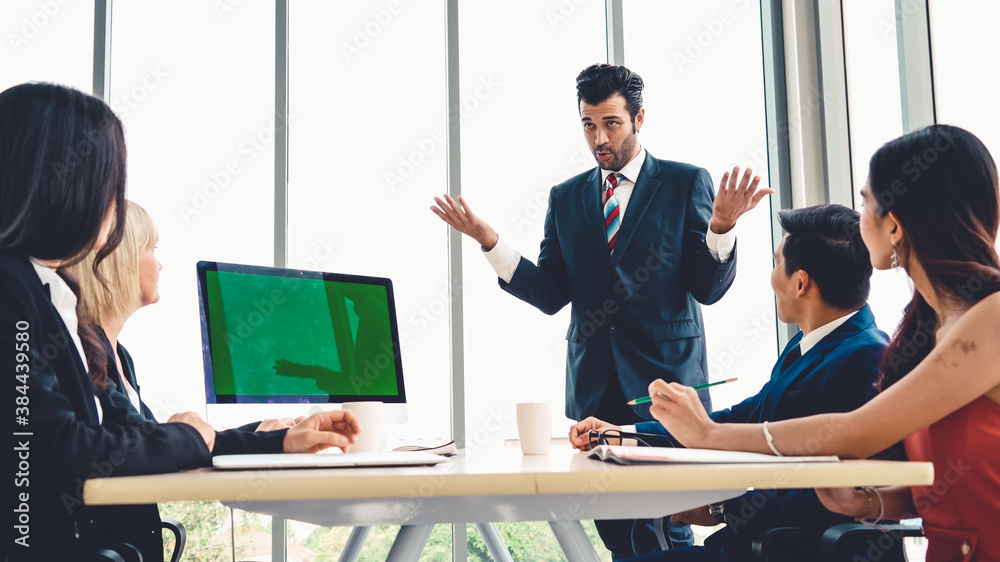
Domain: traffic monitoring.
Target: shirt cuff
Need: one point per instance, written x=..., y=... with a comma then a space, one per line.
x=629, y=442
x=504, y=260
x=721, y=245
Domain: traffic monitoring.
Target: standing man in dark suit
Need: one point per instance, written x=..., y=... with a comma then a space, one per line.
x=821, y=281
x=634, y=244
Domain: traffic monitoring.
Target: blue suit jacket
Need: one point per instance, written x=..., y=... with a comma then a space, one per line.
x=635, y=312
x=836, y=375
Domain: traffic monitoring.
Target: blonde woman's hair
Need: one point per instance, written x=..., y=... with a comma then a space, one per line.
x=119, y=294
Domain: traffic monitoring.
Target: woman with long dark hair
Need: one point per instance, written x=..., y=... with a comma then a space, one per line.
x=62, y=194
x=930, y=208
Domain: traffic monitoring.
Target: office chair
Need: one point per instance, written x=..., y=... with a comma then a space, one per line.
x=125, y=552
x=180, y=536
x=837, y=544
x=120, y=552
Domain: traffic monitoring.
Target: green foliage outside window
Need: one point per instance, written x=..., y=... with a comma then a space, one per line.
x=210, y=538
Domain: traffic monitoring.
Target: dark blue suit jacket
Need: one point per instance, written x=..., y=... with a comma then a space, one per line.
x=634, y=312
x=836, y=375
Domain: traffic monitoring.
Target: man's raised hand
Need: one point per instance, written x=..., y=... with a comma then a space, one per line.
x=461, y=218
x=734, y=199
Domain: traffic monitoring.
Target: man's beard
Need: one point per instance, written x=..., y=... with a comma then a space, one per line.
x=618, y=157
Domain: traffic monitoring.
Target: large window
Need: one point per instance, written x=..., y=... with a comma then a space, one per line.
x=966, y=50
x=366, y=157
x=521, y=135
x=875, y=113
x=704, y=98
x=198, y=108
x=47, y=42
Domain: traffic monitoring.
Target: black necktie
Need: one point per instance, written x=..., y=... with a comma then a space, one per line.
x=790, y=358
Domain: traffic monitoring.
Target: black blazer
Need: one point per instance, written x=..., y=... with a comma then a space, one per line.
x=128, y=366
x=635, y=312
x=56, y=441
x=128, y=372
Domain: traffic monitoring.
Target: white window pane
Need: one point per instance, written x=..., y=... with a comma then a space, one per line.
x=366, y=157
x=49, y=41
x=966, y=50
x=195, y=89
x=521, y=135
x=875, y=115
x=704, y=99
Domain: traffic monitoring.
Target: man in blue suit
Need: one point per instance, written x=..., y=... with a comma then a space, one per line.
x=633, y=245
x=821, y=282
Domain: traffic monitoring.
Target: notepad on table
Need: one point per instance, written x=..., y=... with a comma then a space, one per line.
x=668, y=455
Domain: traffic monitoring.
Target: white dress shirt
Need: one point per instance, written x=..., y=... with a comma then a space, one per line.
x=814, y=337
x=64, y=301
x=133, y=396
x=504, y=259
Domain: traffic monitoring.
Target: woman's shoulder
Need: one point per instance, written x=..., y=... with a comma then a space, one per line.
x=19, y=283
x=982, y=318
x=14, y=267
x=989, y=305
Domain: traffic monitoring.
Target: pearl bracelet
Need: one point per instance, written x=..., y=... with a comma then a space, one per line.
x=770, y=441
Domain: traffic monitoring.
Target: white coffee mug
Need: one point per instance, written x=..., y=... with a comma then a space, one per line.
x=534, y=427
x=369, y=416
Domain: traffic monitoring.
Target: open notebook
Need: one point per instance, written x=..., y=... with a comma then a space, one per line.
x=668, y=455
x=325, y=460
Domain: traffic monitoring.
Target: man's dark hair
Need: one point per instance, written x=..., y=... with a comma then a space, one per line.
x=598, y=82
x=825, y=242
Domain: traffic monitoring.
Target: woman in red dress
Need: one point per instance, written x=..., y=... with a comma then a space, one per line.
x=930, y=208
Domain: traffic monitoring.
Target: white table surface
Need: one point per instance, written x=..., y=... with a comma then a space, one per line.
x=506, y=478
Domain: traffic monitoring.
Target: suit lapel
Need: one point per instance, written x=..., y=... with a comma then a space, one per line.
x=803, y=365
x=642, y=194
x=766, y=405
x=591, y=196
x=808, y=362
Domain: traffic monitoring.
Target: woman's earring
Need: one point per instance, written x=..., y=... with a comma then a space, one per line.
x=895, y=258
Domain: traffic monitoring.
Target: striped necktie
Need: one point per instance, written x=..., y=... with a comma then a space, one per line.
x=612, y=218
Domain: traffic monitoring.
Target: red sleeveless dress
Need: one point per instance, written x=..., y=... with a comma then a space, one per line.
x=961, y=510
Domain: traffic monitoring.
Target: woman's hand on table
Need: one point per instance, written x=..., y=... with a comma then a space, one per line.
x=322, y=430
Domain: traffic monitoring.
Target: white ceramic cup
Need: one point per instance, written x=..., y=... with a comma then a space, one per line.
x=534, y=427
x=369, y=416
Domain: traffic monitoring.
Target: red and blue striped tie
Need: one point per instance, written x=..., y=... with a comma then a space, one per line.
x=612, y=220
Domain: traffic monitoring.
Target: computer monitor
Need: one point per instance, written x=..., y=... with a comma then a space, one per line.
x=290, y=337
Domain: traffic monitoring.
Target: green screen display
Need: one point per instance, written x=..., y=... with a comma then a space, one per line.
x=276, y=338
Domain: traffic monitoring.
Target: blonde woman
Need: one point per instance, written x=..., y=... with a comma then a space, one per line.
x=130, y=274
x=57, y=202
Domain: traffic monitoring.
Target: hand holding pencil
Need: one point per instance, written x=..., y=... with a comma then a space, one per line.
x=648, y=399
x=681, y=412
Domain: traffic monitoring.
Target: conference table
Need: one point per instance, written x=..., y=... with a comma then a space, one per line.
x=482, y=487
